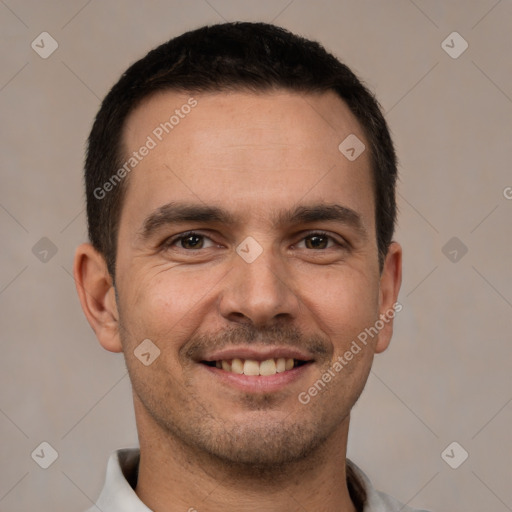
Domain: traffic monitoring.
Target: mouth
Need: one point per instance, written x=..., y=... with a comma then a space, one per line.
x=257, y=369
x=254, y=367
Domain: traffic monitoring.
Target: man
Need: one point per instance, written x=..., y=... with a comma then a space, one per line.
x=240, y=199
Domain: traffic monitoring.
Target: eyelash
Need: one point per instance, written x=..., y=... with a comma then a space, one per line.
x=168, y=243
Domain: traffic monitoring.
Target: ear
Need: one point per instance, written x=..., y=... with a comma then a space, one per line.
x=97, y=296
x=390, y=281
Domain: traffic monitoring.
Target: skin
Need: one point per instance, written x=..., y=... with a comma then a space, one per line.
x=206, y=444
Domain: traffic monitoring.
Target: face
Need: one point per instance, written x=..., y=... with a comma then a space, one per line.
x=247, y=254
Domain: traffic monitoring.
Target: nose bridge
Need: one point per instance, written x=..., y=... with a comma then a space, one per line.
x=258, y=287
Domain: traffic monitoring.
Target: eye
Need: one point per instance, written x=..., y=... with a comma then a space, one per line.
x=189, y=241
x=318, y=241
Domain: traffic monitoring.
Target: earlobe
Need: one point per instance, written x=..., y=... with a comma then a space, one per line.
x=390, y=281
x=97, y=296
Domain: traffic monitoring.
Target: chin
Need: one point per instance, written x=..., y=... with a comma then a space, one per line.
x=261, y=446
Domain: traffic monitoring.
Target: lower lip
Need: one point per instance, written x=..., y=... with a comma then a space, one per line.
x=258, y=383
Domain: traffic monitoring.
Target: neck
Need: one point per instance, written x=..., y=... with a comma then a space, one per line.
x=175, y=477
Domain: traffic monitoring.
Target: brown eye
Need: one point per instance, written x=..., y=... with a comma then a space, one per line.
x=317, y=241
x=192, y=241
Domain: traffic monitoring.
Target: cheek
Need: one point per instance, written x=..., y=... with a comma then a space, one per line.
x=163, y=307
x=167, y=305
x=343, y=305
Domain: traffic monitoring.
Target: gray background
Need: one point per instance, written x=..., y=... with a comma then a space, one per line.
x=446, y=376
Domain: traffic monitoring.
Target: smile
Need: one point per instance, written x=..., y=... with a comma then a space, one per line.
x=254, y=367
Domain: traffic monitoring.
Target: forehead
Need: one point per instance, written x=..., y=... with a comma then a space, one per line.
x=254, y=152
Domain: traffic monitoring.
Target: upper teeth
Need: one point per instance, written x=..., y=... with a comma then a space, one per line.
x=253, y=367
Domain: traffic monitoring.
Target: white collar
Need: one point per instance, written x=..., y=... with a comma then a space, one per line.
x=118, y=494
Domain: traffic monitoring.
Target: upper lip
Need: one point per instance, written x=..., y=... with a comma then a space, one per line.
x=257, y=354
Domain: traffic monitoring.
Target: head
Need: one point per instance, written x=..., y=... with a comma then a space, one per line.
x=225, y=223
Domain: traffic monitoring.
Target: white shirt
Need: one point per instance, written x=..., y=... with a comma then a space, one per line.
x=118, y=494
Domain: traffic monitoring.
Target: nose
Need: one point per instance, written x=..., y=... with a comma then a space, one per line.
x=260, y=293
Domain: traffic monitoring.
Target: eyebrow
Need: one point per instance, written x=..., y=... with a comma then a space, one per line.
x=322, y=212
x=176, y=213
